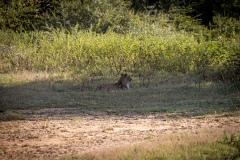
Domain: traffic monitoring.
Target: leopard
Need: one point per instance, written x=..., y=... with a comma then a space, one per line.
x=123, y=83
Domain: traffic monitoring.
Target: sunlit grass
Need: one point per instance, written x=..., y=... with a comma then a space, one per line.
x=88, y=54
x=198, y=144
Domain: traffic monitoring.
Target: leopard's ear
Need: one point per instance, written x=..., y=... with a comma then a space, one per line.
x=125, y=75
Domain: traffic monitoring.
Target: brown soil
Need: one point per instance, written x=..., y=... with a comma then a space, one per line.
x=41, y=137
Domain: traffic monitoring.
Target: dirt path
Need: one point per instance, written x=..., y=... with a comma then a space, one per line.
x=46, y=138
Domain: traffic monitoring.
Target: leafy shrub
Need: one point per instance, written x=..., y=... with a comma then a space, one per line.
x=21, y=15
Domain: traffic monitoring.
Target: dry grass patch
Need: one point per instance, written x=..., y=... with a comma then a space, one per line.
x=198, y=144
x=51, y=135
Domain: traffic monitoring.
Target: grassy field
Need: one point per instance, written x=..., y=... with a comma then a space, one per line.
x=174, y=96
x=181, y=70
x=163, y=93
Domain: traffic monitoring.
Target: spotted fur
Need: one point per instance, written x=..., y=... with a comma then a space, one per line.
x=123, y=83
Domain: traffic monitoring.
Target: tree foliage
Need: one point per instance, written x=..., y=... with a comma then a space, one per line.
x=204, y=10
x=35, y=14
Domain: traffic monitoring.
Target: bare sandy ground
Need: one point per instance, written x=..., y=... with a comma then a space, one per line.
x=42, y=137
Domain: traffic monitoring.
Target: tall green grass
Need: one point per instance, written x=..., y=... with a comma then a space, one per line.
x=161, y=49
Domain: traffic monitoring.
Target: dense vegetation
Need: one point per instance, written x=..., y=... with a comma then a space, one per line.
x=93, y=37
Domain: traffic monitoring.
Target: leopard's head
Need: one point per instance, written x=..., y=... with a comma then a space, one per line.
x=124, y=81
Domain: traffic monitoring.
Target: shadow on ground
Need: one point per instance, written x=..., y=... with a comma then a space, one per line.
x=176, y=96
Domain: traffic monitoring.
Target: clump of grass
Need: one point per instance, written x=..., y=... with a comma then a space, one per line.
x=232, y=140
